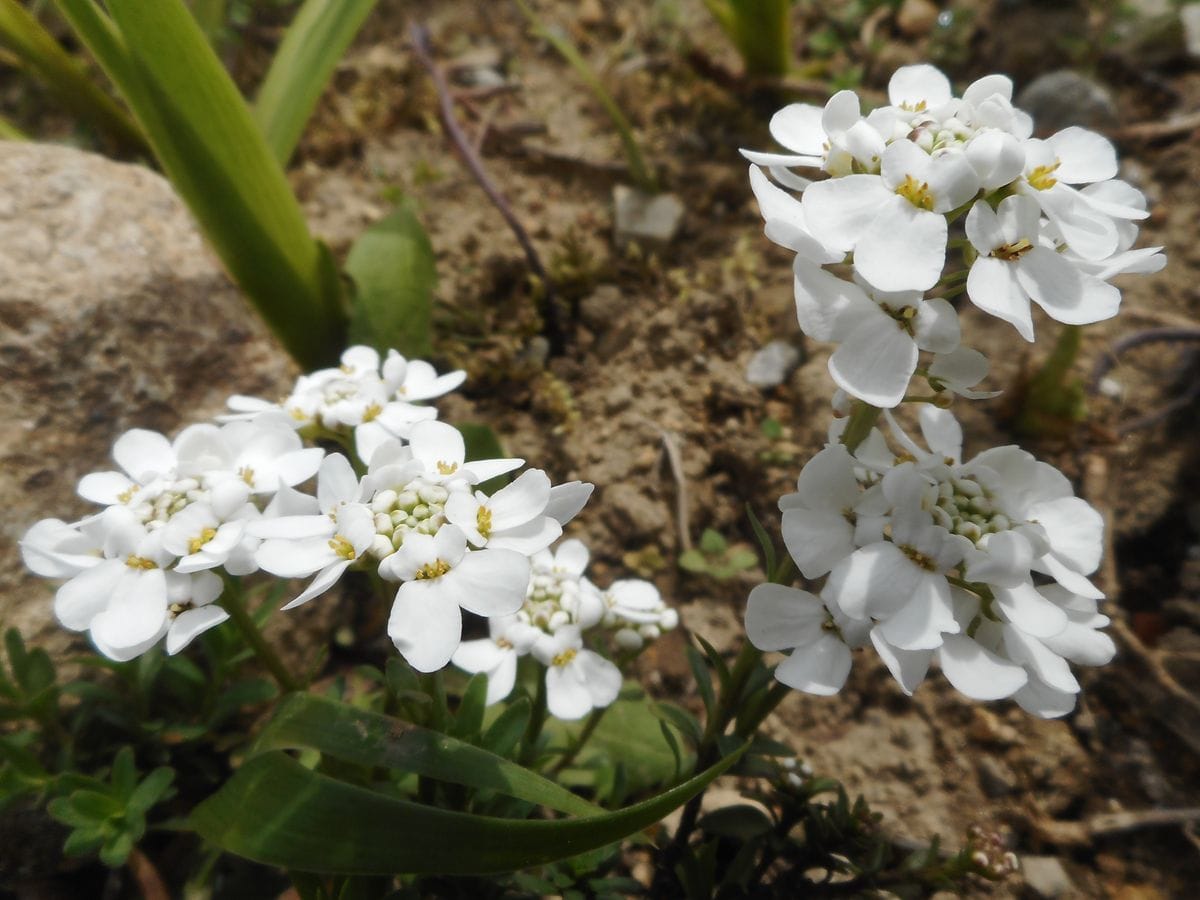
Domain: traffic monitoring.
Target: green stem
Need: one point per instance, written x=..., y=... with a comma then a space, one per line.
x=231, y=602
x=862, y=419
x=1050, y=398
x=765, y=706
x=581, y=739
x=533, y=730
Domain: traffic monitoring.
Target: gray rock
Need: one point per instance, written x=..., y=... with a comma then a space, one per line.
x=995, y=777
x=1062, y=98
x=1189, y=16
x=1046, y=877
x=631, y=514
x=599, y=309
x=113, y=315
x=772, y=365
x=649, y=220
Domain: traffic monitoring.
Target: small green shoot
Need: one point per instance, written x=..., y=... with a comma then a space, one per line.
x=717, y=558
x=761, y=30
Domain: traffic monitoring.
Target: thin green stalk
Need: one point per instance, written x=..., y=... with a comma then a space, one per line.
x=10, y=132
x=761, y=32
x=434, y=684
x=862, y=419
x=765, y=706
x=533, y=729
x=570, y=754
x=643, y=176
x=1053, y=401
x=231, y=602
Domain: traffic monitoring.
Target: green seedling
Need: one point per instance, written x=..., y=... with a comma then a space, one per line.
x=717, y=558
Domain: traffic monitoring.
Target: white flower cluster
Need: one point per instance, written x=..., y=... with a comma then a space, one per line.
x=929, y=557
x=982, y=565
x=221, y=500
x=1047, y=221
x=560, y=604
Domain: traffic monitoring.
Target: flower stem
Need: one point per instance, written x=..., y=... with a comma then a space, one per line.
x=533, y=730
x=231, y=602
x=1053, y=402
x=581, y=739
x=862, y=419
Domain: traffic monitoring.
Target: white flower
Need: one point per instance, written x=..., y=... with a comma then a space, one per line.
x=784, y=618
x=441, y=577
x=819, y=520
x=958, y=372
x=881, y=334
x=578, y=680
x=513, y=518
x=1013, y=268
x=497, y=655
x=893, y=222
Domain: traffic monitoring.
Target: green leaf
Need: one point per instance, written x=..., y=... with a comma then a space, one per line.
x=394, y=275
x=468, y=720
x=764, y=542
x=67, y=80
x=711, y=542
x=203, y=135
x=703, y=678
x=303, y=64
x=117, y=849
x=693, y=561
x=124, y=773
x=504, y=733
x=370, y=739
x=152, y=789
x=277, y=812
x=741, y=822
x=683, y=721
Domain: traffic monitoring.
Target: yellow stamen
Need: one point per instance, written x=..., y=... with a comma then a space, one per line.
x=342, y=547
x=196, y=543
x=919, y=558
x=247, y=475
x=1015, y=250
x=126, y=495
x=1042, y=178
x=565, y=657
x=445, y=468
x=140, y=562
x=434, y=569
x=483, y=521
x=916, y=193
x=372, y=412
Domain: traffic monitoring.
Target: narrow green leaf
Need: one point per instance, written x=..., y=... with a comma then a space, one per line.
x=66, y=79
x=468, y=720
x=502, y=735
x=316, y=723
x=151, y=790
x=764, y=542
x=673, y=743
x=703, y=679
x=303, y=64
x=204, y=137
x=277, y=812
x=741, y=821
x=684, y=721
x=393, y=270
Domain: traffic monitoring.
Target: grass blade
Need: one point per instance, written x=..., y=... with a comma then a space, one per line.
x=66, y=79
x=303, y=64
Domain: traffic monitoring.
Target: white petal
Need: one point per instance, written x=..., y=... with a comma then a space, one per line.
x=192, y=623
x=874, y=581
x=425, y=624
x=1088, y=232
x=521, y=500
x=1063, y=291
x=903, y=248
x=936, y=327
x=798, y=127
x=941, y=431
x=977, y=672
x=1082, y=644
x=983, y=88
x=828, y=307
x=566, y=500
x=436, y=442
x=819, y=668
x=780, y=618
x=817, y=539
x=80, y=600
x=960, y=369
x=489, y=582
x=908, y=667
x=784, y=217
x=983, y=228
x=572, y=557
x=1075, y=530
x=1003, y=560
x=839, y=210
x=136, y=614
x=927, y=615
x=1041, y=660
x=841, y=111
x=1042, y=700
x=603, y=679
x=875, y=362
x=104, y=487
x=294, y=558
x=480, y=470
x=1083, y=156
x=567, y=696
x=529, y=538
x=336, y=482
x=1029, y=611
x=144, y=454
x=996, y=157
x=914, y=85
x=293, y=527
x=827, y=480
x=992, y=286
x=325, y=579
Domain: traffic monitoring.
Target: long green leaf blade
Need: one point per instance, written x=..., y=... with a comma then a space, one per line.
x=304, y=721
x=275, y=811
x=44, y=57
x=206, y=141
x=302, y=66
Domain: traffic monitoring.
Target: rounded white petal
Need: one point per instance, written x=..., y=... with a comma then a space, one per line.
x=572, y=557
x=1066, y=293
x=294, y=558
x=919, y=84
x=936, y=327
x=1075, y=530
x=326, y=578
x=983, y=228
x=839, y=210
x=435, y=443
x=136, y=614
x=529, y=538
x=926, y=616
x=941, y=431
x=1042, y=700
x=903, y=248
x=104, y=487
x=875, y=362
x=1082, y=644
x=875, y=580
x=602, y=677
x=977, y=672
x=1043, y=662
x=425, y=624
x=192, y=623
x=1083, y=156
x=1029, y=611
x=1003, y=560
x=908, y=667
x=489, y=582
x=336, y=482
x=828, y=307
x=80, y=600
x=820, y=668
x=566, y=500
x=798, y=127
x=992, y=286
x=567, y=695
x=521, y=500
x=780, y=618
x=817, y=539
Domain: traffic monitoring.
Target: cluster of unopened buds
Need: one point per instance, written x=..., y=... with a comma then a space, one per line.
x=183, y=518
x=979, y=564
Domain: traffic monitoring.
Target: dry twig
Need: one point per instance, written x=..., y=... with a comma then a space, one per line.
x=670, y=442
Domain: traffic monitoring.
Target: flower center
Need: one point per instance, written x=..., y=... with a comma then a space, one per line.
x=204, y=537
x=372, y=412
x=1042, y=177
x=435, y=569
x=916, y=192
x=416, y=506
x=342, y=547
x=483, y=522
x=445, y=468
x=247, y=475
x=1015, y=250
x=919, y=558
x=140, y=562
x=966, y=507
x=565, y=657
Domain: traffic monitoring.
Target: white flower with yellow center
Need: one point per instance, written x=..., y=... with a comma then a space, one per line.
x=497, y=655
x=578, y=680
x=441, y=578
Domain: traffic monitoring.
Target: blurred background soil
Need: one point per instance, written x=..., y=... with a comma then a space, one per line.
x=656, y=340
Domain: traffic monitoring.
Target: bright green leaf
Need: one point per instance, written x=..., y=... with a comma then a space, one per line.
x=303, y=64
x=392, y=266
